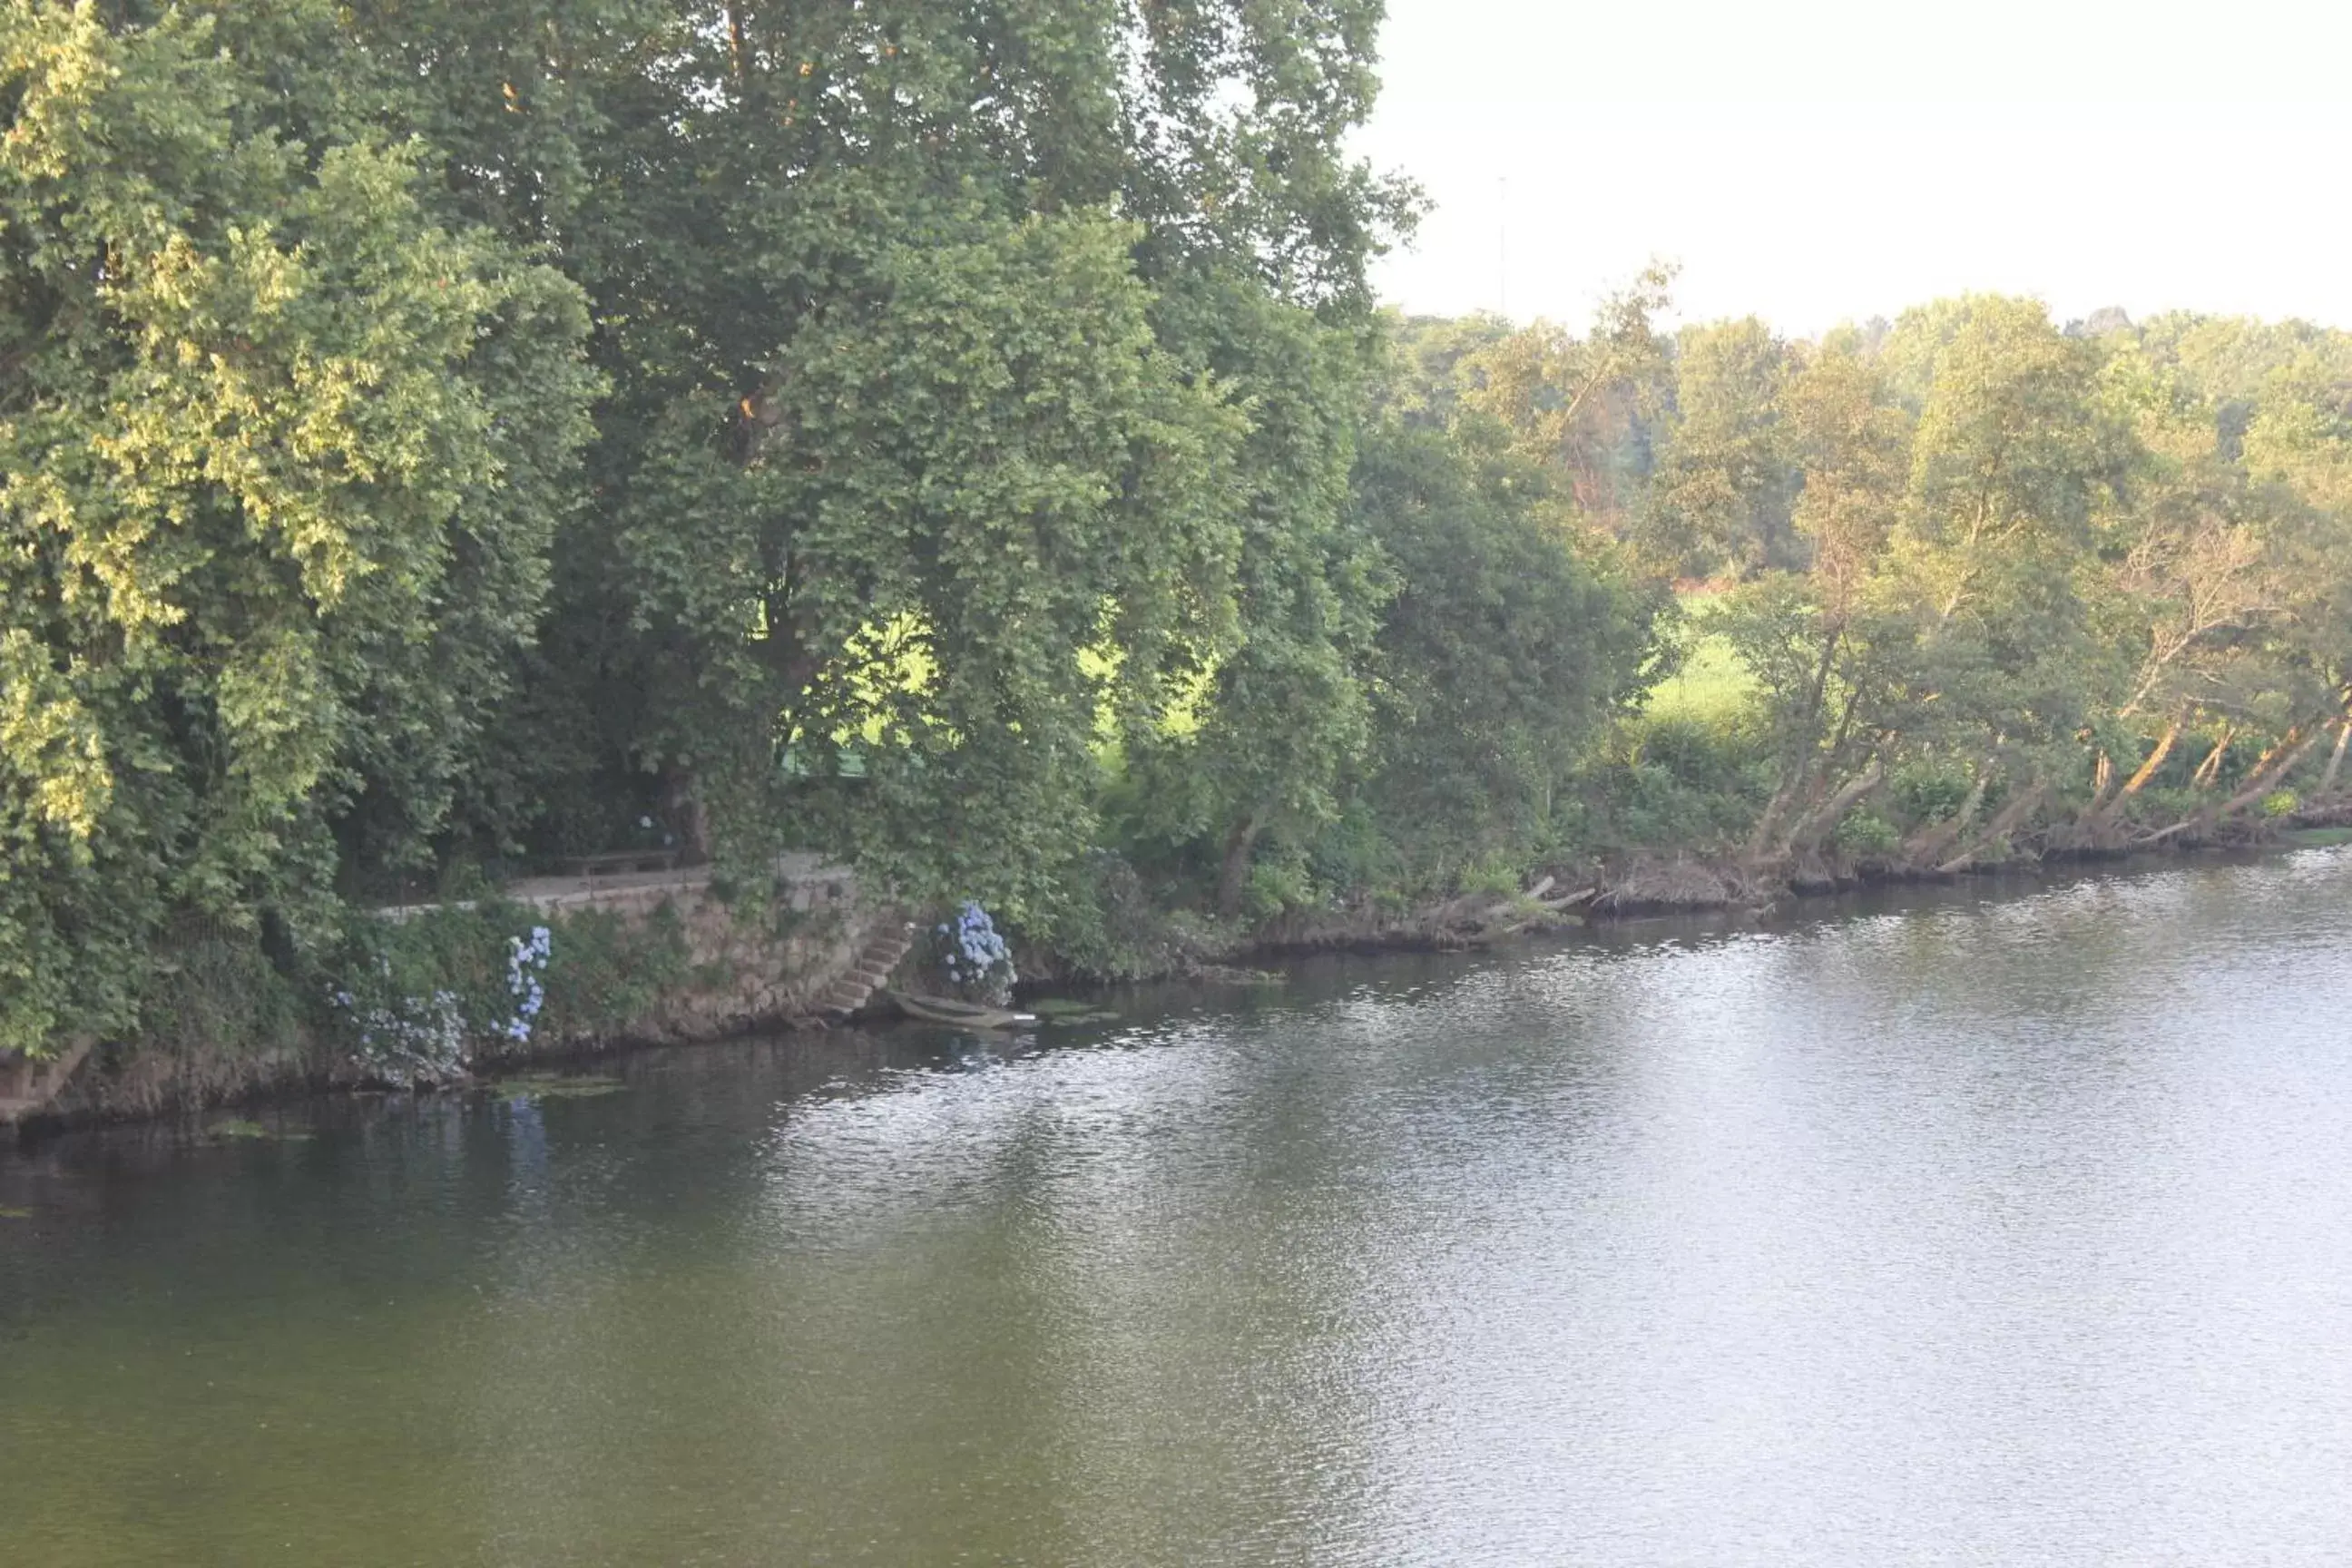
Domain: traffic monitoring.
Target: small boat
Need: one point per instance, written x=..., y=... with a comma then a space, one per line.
x=957, y=1014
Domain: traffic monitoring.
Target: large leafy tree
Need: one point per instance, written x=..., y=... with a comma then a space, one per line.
x=1833, y=658
x=1282, y=713
x=1951, y=481
x=282, y=452
x=1503, y=656
x=956, y=484
x=932, y=432
x=1719, y=501
x=1583, y=407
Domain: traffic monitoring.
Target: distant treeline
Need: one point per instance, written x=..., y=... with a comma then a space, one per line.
x=438, y=438
x=1972, y=581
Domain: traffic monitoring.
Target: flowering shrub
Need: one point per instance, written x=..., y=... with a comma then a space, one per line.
x=405, y=1040
x=973, y=957
x=526, y=967
x=413, y=999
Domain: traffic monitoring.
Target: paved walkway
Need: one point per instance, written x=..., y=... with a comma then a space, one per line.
x=798, y=870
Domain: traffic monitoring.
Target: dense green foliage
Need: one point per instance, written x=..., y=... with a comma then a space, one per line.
x=436, y=440
x=284, y=449
x=1978, y=577
x=446, y=434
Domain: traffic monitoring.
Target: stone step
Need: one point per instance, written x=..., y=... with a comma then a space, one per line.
x=868, y=974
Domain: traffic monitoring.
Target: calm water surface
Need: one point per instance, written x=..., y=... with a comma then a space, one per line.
x=1977, y=1230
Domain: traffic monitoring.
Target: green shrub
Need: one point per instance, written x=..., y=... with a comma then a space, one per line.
x=1926, y=792
x=1277, y=886
x=608, y=973
x=1494, y=876
x=215, y=1005
x=1106, y=925
x=1353, y=854
x=417, y=999
x=1681, y=782
x=1867, y=835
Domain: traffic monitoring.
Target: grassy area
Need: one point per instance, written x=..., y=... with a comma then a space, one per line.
x=1713, y=688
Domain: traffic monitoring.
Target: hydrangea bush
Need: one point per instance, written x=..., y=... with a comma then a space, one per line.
x=405, y=1041
x=973, y=958
x=526, y=973
x=415, y=999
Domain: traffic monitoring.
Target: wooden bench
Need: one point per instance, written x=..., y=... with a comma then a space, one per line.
x=620, y=862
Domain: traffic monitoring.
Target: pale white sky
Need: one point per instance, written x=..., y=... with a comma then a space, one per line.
x=1815, y=161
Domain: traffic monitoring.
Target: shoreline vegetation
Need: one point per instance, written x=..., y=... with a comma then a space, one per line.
x=962, y=448
x=1662, y=889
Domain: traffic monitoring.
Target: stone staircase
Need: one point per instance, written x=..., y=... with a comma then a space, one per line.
x=867, y=974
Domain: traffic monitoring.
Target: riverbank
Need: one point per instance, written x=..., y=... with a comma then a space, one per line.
x=710, y=1001
x=1652, y=885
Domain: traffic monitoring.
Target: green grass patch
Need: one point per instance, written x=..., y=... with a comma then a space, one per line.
x=1712, y=687
x=555, y=1086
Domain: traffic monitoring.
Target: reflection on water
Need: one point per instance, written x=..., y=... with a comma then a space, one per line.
x=1964, y=1231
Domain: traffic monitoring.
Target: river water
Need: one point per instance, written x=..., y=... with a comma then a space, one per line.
x=1978, y=1228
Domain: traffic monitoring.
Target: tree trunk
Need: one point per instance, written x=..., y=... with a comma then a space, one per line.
x=1762, y=836
x=2336, y=758
x=2209, y=771
x=1934, y=840
x=1232, y=873
x=1819, y=824
x=2164, y=745
x=2260, y=786
x=2103, y=782
x=2103, y=809
x=683, y=814
x=2266, y=780
x=2003, y=821
x=2263, y=761
x=1816, y=694
x=735, y=48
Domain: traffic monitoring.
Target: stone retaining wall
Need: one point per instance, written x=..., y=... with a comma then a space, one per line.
x=745, y=977
x=743, y=974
